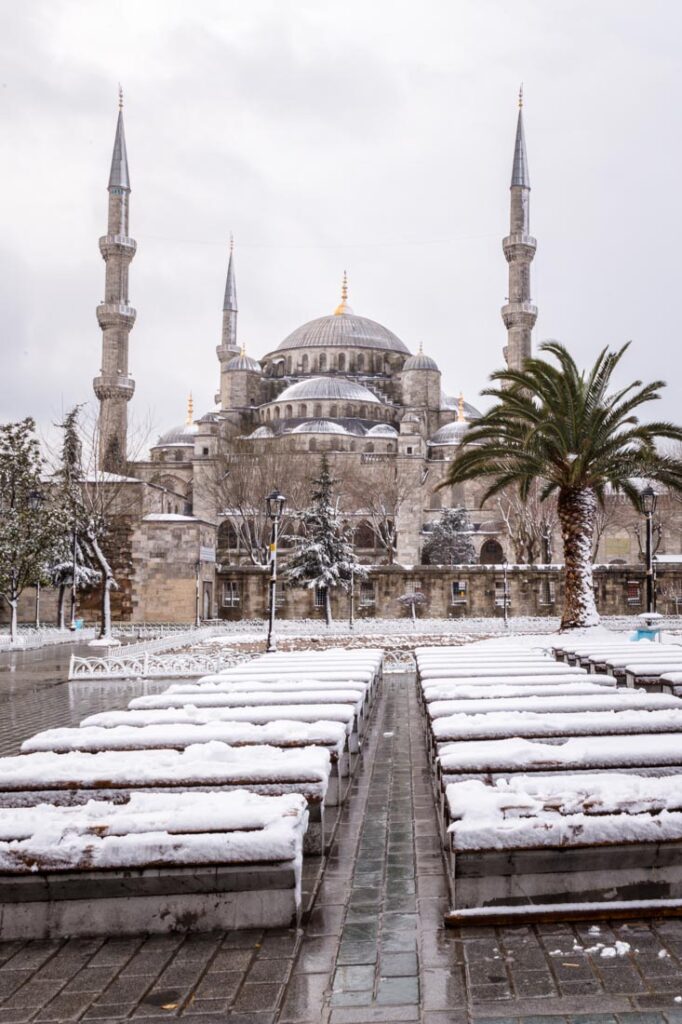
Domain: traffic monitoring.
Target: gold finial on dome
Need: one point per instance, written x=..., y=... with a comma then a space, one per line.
x=343, y=306
x=461, y=418
x=190, y=411
x=421, y=348
x=242, y=350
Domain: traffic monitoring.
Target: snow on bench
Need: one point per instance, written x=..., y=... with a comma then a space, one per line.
x=214, y=684
x=533, y=725
x=549, y=668
x=258, y=711
x=615, y=663
x=160, y=863
x=530, y=847
x=658, y=754
x=448, y=691
x=648, y=673
x=284, y=734
x=671, y=682
x=74, y=778
x=431, y=688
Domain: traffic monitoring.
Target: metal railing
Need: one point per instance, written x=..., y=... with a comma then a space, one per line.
x=152, y=666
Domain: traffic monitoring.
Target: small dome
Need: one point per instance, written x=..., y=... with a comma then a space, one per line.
x=382, y=430
x=182, y=436
x=244, y=362
x=260, y=432
x=319, y=427
x=451, y=433
x=420, y=362
x=329, y=389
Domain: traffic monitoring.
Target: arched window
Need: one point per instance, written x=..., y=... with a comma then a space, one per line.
x=267, y=415
x=436, y=501
x=312, y=445
x=288, y=365
x=360, y=362
x=288, y=411
x=276, y=412
x=304, y=363
x=348, y=411
x=369, y=447
x=303, y=410
x=353, y=446
x=342, y=361
x=317, y=410
x=491, y=553
x=364, y=536
x=228, y=537
x=334, y=411
x=323, y=361
x=362, y=412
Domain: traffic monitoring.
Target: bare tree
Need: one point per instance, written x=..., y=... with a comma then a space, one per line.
x=379, y=501
x=529, y=523
x=241, y=481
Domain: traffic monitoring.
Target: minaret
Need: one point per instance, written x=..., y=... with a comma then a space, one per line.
x=519, y=314
x=115, y=387
x=228, y=346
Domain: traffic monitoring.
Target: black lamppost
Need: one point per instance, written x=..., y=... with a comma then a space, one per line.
x=274, y=504
x=647, y=500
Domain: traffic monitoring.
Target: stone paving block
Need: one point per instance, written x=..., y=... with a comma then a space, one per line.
x=67, y=1006
x=11, y=980
x=105, y=1011
x=373, y=1015
x=316, y=956
x=357, y=997
x=269, y=971
x=537, y=984
x=257, y=998
x=34, y=993
x=218, y=985
x=357, y=953
x=393, y=965
x=354, y=977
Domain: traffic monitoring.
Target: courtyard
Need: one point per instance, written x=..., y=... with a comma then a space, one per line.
x=372, y=946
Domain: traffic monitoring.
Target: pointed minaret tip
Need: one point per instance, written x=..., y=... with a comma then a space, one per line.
x=190, y=411
x=343, y=306
x=118, y=175
x=520, y=176
x=230, y=300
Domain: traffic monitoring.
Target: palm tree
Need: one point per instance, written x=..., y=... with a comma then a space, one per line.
x=566, y=429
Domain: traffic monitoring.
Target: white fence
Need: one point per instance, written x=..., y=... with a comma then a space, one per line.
x=399, y=661
x=30, y=638
x=169, y=642
x=147, y=665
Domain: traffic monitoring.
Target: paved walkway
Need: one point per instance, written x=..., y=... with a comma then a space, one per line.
x=372, y=948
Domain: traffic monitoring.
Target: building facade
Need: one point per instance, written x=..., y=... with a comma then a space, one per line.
x=389, y=420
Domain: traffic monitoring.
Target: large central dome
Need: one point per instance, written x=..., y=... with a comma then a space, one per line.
x=343, y=330
x=329, y=389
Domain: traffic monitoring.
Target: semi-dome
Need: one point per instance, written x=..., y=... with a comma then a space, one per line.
x=451, y=433
x=329, y=389
x=260, y=432
x=420, y=362
x=182, y=436
x=244, y=362
x=382, y=430
x=343, y=330
x=319, y=427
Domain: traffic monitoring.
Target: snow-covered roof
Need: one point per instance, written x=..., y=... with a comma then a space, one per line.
x=328, y=388
x=110, y=478
x=319, y=427
x=382, y=430
x=168, y=517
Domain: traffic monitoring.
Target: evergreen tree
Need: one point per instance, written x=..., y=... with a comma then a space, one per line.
x=88, y=513
x=31, y=521
x=324, y=558
x=450, y=541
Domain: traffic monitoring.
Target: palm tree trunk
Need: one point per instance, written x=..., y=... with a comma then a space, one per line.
x=577, y=511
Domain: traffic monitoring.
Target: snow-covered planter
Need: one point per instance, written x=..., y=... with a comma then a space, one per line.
x=160, y=863
x=568, y=845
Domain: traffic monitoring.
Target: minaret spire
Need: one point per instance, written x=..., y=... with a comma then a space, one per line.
x=519, y=314
x=229, y=346
x=115, y=387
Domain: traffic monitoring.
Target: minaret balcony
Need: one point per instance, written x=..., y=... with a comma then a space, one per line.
x=115, y=314
x=117, y=245
x=519, y=314
x=519, y=247
x=114, y=385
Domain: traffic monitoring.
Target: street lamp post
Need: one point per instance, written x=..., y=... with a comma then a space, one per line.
x=274, y=504
x=506, y=594
x=648, y=501
x=197, y=595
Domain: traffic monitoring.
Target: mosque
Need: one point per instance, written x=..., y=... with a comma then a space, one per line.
x=341, y=384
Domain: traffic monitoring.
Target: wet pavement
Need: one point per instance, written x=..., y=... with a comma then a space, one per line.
x=372, y=947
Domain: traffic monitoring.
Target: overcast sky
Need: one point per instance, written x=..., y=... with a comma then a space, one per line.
x=372, y=135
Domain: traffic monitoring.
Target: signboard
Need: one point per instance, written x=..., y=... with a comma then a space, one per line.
x=206, y=554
